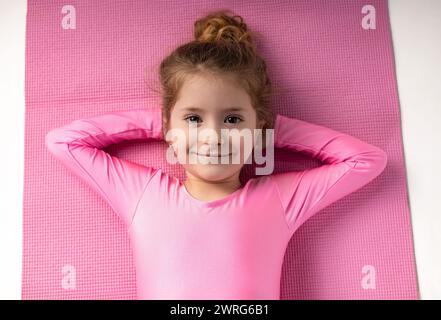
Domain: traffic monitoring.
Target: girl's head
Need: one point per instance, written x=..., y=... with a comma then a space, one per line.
x=217, y=81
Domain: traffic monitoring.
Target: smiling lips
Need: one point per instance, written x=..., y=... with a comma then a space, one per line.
x=212, y=155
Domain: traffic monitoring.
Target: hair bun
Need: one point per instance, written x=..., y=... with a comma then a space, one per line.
x=219, y=26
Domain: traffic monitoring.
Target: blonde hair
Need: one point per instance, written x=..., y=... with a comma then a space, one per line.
x=223, y=45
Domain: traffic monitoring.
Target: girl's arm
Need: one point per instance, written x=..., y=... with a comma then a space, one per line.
x=350, y=164
x=120, y=182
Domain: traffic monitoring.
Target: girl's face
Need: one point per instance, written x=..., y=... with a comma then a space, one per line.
x=205, y=106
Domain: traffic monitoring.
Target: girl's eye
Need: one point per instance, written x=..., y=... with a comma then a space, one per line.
x=192, y=117
x=234, y=117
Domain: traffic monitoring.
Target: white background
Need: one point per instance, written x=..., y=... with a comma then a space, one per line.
x=416, y=30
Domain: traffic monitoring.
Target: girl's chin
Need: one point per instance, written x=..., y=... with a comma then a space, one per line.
x=212, y=176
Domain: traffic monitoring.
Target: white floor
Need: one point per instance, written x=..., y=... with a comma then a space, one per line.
x=416, y=26
x=416, y=29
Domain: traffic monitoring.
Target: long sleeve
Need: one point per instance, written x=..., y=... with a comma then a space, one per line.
x=119, y=182
x=349, y=164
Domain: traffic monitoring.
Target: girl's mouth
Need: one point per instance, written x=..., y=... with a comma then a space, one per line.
x=212, y=155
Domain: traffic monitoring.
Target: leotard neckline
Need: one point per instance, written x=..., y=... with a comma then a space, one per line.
x=211, y=203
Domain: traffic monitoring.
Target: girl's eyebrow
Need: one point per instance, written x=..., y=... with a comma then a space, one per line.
x=191, y=108
x=234, y=109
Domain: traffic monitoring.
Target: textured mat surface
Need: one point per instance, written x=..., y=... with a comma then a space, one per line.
x=330, y=71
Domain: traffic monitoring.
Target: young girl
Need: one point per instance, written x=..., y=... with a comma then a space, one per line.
x=209, y=237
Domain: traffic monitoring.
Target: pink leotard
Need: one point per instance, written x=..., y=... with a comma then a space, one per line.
x=229, y=248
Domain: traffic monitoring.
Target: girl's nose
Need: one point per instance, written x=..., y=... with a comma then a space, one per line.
x=213, y=135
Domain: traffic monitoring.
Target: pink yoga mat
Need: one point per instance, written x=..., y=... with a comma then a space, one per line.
x=331, y=71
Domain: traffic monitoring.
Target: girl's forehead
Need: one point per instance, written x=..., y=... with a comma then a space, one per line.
x=200, y=88
x=214, y=109
x=210, y=104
